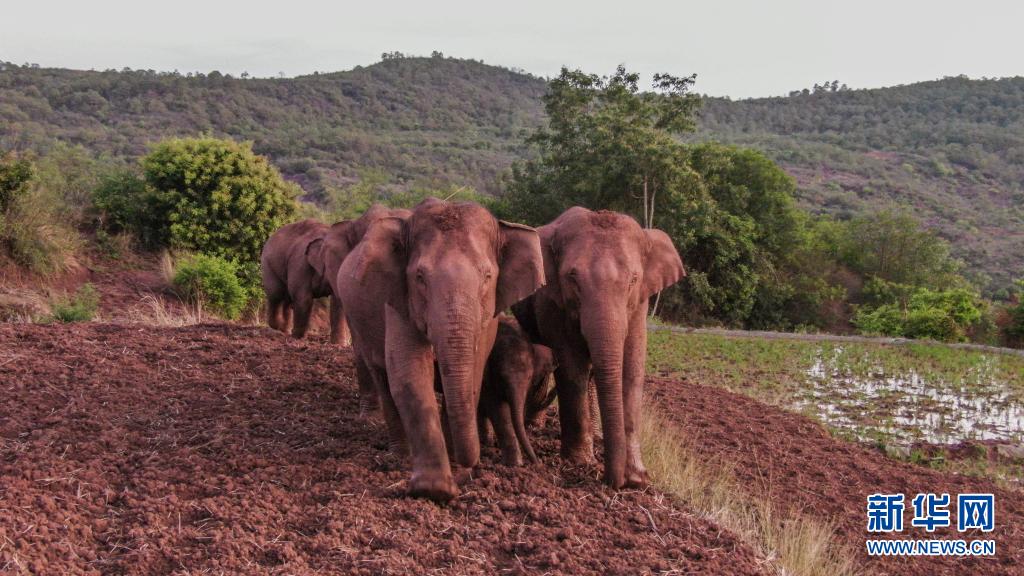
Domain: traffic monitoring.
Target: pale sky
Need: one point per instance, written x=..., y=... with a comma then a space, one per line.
x=739, y=48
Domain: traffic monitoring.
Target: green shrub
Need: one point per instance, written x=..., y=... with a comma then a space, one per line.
x=933, y=324
x=15, y=175
x=1013, y=328
x=78, y=308
x=120, y=204
x=885, y=320
x=945, y=315
x=212, y=282
x=215, y=197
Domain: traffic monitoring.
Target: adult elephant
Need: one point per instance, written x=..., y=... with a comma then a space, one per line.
x=300, y=263
x=425, y=288
x=290, y=278
x=601, y=269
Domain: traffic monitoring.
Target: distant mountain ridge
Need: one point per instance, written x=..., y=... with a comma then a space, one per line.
x=950, y=150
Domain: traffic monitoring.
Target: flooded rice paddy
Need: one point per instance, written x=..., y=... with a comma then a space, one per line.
x=904, y=405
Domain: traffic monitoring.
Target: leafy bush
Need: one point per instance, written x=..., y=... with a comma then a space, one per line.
x=214, y=196
x=78, y=308
x=213, y=282
x=120, y=204
x=34, y=231
x=945, y=315
x=15, y=175
x=1013, y=326
x=884, y=320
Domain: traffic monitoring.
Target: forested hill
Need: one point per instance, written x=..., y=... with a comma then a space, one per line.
x=422, y=120
x=952, y=149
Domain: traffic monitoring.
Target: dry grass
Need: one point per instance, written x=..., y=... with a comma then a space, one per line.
x=794, y=545
x=156, y=311
x=165, y=266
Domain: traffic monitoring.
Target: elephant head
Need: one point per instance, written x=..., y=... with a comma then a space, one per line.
x=602, y=268
x=445, y=272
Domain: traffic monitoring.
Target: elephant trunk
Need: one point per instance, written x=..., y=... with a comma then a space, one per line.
x=456, y=345
x=605, y=333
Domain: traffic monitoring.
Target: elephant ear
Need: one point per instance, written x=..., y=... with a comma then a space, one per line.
x=663, y=266
x=550, y=252
x=382, y=258
x=315, y=255
x=520, y=264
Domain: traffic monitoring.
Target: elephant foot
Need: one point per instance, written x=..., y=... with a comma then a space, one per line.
x=578, y=455
x=637, y=478
x=512, y=459
x=435, y=486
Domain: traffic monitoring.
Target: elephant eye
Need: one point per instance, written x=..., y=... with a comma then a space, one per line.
x=633, y=279
x=420, y=277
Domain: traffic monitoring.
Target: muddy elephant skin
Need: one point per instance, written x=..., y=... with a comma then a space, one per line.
x=601, y=269
x=425, y=288
x=300, y=263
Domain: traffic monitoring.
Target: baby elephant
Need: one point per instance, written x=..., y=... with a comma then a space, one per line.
x=515, y=390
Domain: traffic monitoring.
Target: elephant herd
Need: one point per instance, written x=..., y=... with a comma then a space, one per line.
x=422, y=292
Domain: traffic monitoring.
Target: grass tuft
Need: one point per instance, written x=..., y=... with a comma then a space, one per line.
x=155, y=311
x=794, y=544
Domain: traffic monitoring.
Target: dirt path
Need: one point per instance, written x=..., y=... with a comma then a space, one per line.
x=799, y=465
x=766, y=335
x=227, y=449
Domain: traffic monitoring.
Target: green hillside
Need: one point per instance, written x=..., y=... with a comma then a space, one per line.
x=422, y=120
x=952, y=150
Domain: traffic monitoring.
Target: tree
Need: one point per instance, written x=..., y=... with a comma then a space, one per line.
x=607, y=145
x=894, y=246
x=216, y=197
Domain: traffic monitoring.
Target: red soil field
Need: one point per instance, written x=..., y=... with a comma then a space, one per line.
x=236, y=450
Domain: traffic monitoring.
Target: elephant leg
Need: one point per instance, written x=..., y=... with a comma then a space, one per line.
x=396, y=433
x=369, y=399
x=483, y=427
x=633, y=362
x=571, y=380
x=303, y=308
x=339, y=327
x=516, y=409
x=274, y=306
x=505, y=431
x=410, y=364
x=286, y=316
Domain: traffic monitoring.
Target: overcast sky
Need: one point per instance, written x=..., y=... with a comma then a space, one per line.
x=738, y=48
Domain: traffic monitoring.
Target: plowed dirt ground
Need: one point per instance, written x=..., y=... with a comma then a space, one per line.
x=230, y=449
x=236, y=450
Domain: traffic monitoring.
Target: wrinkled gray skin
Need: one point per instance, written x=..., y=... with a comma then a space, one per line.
x=300, y=263
x=516, y=389
x=426, y=288
x=601, y=269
